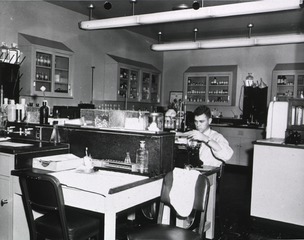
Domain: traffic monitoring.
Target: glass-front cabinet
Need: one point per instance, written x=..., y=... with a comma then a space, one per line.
x=288, y=81
x=45, y=66
x=137, y=81
x=210, y=85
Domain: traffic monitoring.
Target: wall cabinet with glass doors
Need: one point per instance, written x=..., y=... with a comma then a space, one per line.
x=214, y=85
x=137, y=81
x=288, y=81
x=45, y=66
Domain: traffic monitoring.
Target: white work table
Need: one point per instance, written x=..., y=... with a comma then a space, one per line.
x=110, y=192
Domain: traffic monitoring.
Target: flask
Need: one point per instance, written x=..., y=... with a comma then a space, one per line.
x=127, y=158
x=11, y=111
x=142, y=158
x=44, y=113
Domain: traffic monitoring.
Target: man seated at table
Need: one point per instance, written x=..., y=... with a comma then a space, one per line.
x=214, y=145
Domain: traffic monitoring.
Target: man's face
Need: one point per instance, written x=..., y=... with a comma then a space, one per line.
x=202, y=122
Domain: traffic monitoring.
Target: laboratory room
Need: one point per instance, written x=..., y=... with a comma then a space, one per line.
x=151, y=119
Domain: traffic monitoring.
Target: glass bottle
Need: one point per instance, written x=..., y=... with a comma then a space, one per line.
x=44, y=113
x=142, y=158
x=127, y=158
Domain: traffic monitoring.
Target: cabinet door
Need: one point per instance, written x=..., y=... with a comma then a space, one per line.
x=155, y=88
x=62, y=74
x=300, y=85
x=5, y=208
x=219, y=89
x=43, y=72
x=195, y=88
x=145, y=86
x=128, y=84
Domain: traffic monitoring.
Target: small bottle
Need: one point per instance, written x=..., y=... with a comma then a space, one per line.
x=11, y=111
x=142, y=158
x=44, y=113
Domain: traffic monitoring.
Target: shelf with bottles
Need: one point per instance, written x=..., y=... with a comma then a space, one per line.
x=211, y=85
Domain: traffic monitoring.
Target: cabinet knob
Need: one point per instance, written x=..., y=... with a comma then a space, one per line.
x=3, y=202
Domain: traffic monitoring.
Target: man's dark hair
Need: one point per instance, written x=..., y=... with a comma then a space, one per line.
x=202, y=110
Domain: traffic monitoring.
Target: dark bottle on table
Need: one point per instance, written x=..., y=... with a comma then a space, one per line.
x=44, y=113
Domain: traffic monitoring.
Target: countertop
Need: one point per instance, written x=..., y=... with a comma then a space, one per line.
x=274, y=142
x=17, y=146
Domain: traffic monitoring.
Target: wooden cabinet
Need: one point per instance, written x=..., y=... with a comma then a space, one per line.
x=288, y=81
x=132, y=81
x=48, y=64
x=213, y=85
x=241, y=141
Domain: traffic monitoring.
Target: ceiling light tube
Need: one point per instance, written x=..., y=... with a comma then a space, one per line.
x=230, y=43
x=175, y=46
x=220, y=11
x=280, y=39
x=227, y=43
x=191, y=14
x=109, y=23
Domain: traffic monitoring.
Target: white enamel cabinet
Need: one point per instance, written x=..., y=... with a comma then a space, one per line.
x=210, y=85
x=13, y=225
x=48, y=65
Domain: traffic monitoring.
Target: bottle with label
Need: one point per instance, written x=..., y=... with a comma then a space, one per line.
x=142, y=158
x=44, y=113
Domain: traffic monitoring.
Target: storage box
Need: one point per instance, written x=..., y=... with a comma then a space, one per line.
x=57, y=162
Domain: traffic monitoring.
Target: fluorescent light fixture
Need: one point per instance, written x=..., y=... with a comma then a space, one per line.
x=191, y=14
x=175, y=46
x=230, y=43
x=109, y=23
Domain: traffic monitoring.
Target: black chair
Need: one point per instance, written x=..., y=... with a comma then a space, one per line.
x=42, y=193
x=194, y=231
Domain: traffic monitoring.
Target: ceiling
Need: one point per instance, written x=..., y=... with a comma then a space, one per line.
x=264, y=24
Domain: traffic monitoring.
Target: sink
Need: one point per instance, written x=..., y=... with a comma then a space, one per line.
x=15, y=144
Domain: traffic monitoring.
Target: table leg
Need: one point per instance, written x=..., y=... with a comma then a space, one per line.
x=211, y=207
x=109, y=225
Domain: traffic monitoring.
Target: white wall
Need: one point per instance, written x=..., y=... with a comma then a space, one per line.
x=45, y=20
x=257, y=60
